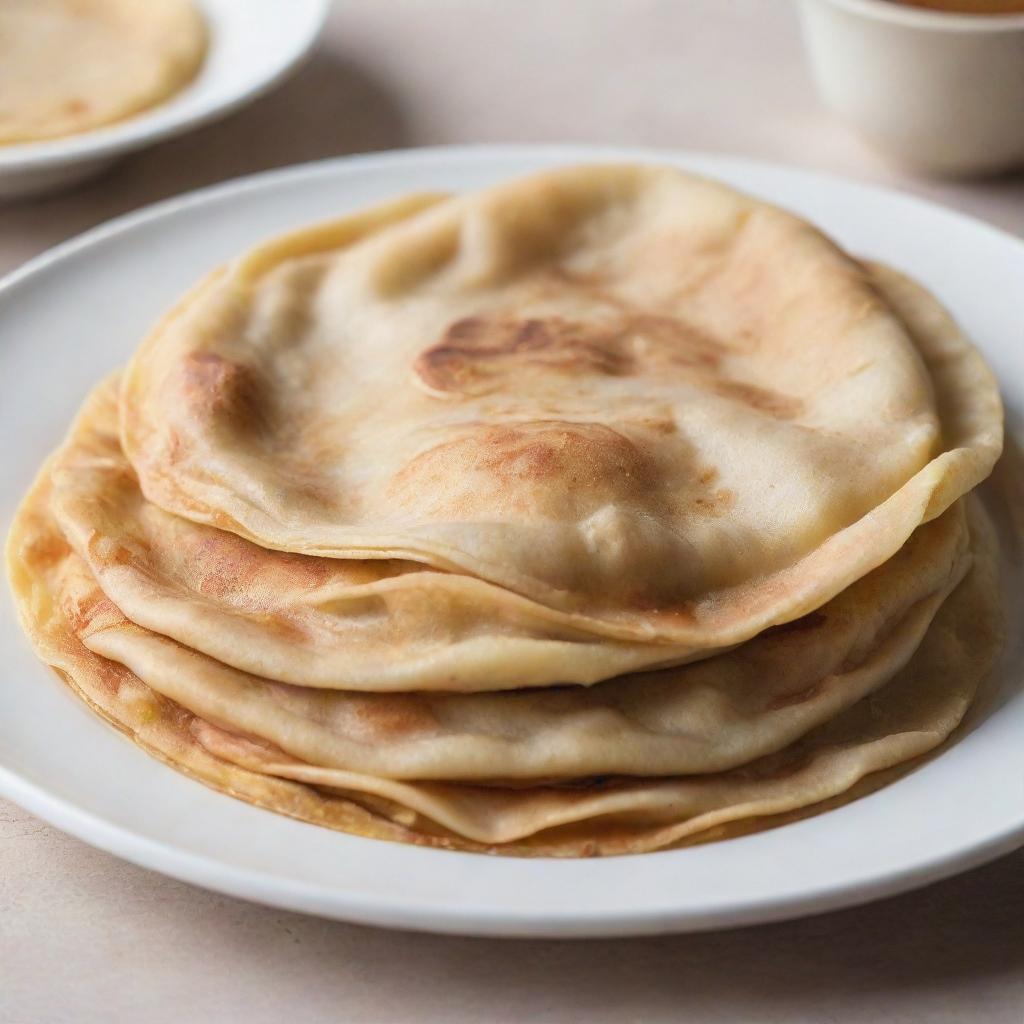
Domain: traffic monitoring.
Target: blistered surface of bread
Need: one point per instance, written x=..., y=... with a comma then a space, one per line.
x=636, y=398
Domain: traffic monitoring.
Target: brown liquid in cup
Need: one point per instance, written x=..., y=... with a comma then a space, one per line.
x=967, y=6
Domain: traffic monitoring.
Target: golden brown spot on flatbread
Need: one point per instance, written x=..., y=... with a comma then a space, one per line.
x=302, y=571
x=479, y=350
x=478, y=354
x=388, y=717
x=227, y=565
x=576, y=460
x=120, y=554
x=288, y=629
x=542, y=454
x=112, y=676
x=76, y=107
x=219, y=571
x=772, y=403
x=675, y=342
x=222, y=389
x=579, y=454
x=83, y=612
x=46, y=550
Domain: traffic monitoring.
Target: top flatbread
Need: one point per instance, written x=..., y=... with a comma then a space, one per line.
x=319, y=622
x=67, y=66
x=665, y=409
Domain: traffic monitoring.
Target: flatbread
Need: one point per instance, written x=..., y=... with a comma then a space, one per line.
x=910, y=715
x=68, y=66
x=373, y=625
x=356, y=625
x=667, y=411
x=705, y=717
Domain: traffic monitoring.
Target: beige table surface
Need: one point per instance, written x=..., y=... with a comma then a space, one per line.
x=85, y=937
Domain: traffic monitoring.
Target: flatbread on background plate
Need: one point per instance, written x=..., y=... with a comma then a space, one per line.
x=69, y=66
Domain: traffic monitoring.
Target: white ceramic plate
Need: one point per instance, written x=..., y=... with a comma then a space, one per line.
x=74, y=313
x=253, y=45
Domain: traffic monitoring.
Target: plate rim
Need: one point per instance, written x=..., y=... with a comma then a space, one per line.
x=353, y=905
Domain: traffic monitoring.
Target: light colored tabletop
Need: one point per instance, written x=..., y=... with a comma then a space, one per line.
x=85, y=937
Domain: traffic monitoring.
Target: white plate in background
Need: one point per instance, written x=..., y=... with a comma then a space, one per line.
x=253, y=44
x=76, y=312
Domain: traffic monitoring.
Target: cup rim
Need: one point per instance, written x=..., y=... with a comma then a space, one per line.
x=919, y=17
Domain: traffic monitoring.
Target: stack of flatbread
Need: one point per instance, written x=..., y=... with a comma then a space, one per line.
x=595, y=512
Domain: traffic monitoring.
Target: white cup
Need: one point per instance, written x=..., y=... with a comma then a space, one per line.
x=939, y=92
